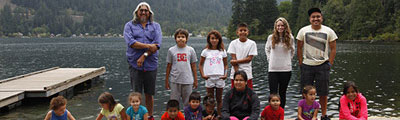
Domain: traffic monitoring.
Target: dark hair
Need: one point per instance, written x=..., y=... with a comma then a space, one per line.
x=242, y=25
x=312, y=10
x=181, y=31
x=218, y=35
x=208, y=100
x=307, y=88
x=57, y=102
x=132, y=94
x=107, y=98
x=242, y=73
x=273, y=95
x=349, y=84
x=194, y=96
x=172, y=104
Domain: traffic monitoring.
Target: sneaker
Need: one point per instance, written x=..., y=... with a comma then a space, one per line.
x=325, y=117
x=150, y=118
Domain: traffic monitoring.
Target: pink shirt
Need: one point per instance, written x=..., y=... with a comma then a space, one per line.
x=353, y=110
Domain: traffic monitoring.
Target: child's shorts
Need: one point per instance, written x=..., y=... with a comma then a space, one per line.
x=214, y=81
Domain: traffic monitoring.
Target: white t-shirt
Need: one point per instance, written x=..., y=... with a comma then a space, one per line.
x=181, y=58
x=316, y=44
x=279, y=58
x=242, y=50
x=213, y=64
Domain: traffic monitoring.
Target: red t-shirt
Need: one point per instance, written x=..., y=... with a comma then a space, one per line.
x=180, y=116
x=269, y=114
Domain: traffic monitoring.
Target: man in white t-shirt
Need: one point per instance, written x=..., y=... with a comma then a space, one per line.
x=313, y=46
x=242, y=51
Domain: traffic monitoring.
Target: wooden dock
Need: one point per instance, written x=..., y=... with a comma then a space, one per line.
x=44, y=83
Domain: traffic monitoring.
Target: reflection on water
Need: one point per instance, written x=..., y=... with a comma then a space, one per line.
x=374, y=68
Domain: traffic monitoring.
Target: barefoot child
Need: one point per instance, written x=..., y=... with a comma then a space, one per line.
x=213, y=66
x=136, y=111
x=353, y=105
x=58, y=110
x=110, y=109
x=308, y=107
x=273, y=111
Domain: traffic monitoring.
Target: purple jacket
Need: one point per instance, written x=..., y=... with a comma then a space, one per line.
x=150, y=35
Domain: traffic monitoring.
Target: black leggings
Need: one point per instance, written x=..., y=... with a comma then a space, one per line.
x=279, y=80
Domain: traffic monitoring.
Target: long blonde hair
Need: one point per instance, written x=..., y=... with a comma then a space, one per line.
x=287, y=36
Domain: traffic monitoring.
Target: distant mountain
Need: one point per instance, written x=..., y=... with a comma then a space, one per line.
x=109, y=16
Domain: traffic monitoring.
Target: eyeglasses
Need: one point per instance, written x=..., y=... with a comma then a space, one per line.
x=143, y=10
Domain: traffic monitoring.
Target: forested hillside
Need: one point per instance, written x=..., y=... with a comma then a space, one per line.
x=67, y=17
x=350, y=19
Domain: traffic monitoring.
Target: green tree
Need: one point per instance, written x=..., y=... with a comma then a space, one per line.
x=366, y=17
x=259, y=14
x=7, y=20
x=334, y=17
x=43, y=16
x=284, y=9
x=293, y=14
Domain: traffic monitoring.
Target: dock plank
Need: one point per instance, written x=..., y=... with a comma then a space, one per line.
x=7, y=98
x=52, y=81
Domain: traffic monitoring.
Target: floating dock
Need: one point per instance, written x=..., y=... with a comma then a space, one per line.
x=45, y=83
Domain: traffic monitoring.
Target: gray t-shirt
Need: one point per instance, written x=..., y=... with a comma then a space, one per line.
x=181, y=58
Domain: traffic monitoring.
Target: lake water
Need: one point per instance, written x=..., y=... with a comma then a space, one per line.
x=373, y=66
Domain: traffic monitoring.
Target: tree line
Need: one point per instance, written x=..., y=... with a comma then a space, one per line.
x=350, y=19
x=67, y=17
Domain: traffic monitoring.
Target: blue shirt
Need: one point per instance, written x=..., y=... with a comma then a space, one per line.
x=62, y=117
x=191, y=114
x=133, y=33
x=136, y=115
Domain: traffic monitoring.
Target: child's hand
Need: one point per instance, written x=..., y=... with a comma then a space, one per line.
x=195, y=84
x=314, y=118
x=223, y=77
x=234, y=62
x=205, y=77
x=167, y=86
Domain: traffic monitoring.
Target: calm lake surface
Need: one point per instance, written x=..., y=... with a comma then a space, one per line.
x=373, y=66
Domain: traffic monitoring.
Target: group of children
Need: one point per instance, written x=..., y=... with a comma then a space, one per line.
x=353, y=106
x=181, y=77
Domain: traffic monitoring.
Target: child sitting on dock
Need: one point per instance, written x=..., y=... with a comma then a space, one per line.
x=110, y=109
x=273, y=111
x=308, y=107
x=194, y=109
x=58, y=110
x=136, y=111
x=353, y=105
x=209, y=113
x=172, y=112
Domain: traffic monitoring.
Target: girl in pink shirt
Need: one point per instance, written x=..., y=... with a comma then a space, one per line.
x=353, y=105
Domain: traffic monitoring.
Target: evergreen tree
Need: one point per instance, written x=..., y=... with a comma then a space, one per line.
x=366, y=18
x=284, y=9
x=7, y=20
x=334, y=17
